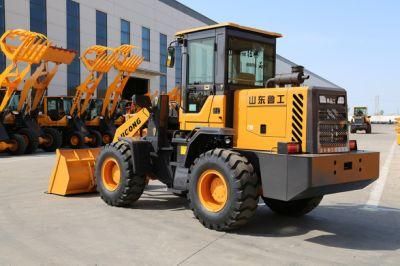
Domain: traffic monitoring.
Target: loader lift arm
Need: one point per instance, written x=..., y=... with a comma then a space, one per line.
x=20, y=46
x=126, y=64
x=98, y=60
x=43, y=75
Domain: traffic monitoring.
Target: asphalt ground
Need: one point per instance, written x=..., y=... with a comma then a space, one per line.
x=352, y=228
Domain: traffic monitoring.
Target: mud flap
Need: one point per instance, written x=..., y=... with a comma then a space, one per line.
x=73, y=172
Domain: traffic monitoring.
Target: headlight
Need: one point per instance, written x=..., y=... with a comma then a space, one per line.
x=101, y=117
x=340, y=100
x=322, y=99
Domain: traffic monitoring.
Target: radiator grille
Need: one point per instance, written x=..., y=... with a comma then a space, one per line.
x=297, y=118
x=333, y=132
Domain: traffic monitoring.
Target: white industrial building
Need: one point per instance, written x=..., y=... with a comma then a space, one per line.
x=148, y=24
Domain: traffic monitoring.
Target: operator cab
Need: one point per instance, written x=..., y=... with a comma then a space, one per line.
x=221, y=59
x=57, y=107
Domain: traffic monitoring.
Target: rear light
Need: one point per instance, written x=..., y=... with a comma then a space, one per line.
x=293, y=148
x=289, y=148
x=353, y=145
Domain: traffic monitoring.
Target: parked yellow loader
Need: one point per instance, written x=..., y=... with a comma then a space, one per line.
x=242, y=133
x=101, y=113
x=23, y=49
x=66, y=113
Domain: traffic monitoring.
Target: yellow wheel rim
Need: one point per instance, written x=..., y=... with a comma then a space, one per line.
x=212, y=190
x=110, y=174
x=74, y=140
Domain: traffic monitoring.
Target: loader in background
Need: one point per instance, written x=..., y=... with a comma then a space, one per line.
x=66, y=113
x=101, y=113
x=25, y=115
x=361, y=120
x=23, y=49
x=242, y=133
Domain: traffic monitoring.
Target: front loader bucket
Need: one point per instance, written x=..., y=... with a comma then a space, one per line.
x=73, y=172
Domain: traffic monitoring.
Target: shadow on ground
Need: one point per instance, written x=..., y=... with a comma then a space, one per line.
x=356, y=227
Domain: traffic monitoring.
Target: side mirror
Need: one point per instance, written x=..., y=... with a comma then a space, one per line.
x=171, y=57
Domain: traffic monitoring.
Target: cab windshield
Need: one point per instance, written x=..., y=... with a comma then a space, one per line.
x=360, y=111
x=250, y=63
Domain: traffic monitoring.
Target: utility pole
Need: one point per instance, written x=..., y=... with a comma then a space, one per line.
x=377, y=109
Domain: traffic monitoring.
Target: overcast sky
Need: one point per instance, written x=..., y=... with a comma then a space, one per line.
x=353, y=43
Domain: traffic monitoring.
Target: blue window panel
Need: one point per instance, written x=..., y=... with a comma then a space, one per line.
x=101, y=28
x=146, y=43
x=101, y=39
x=163, y=62
x=178, y=66
x=125, y=32
x=163, y=84
x=73, y=43
x=38, y=16
x=163, y=53
x=2, y=30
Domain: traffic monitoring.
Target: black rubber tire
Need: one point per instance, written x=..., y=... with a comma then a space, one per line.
x=243, y=188
x=369, y=129
x=181, y=195
x=107, y=133
x=295, y=208
x=32, y=138
x=97, y=139
x=21, y=145
x=131, y=186
x=81, y=141
x=55, y=138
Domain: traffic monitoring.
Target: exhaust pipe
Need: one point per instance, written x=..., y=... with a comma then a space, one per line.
x=296, y=78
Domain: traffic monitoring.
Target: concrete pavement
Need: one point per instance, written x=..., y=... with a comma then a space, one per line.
x=36, y=228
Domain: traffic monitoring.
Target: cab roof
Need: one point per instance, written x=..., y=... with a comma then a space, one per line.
x=230, y=25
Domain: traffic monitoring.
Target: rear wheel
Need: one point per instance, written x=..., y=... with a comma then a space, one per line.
x=368, y=130
x=75, y=140
x=116, y=182
x=18, y=145
x=53, y=139
x=96, y=137
x=223, y=189
x=294, y=208
x=31, y=140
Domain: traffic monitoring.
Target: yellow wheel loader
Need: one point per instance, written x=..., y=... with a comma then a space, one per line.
x=398, y=129
x=67, y=113
x=25, y=114
x=22, y=48
x=361, y=120
x=101, y=113
x=243, y=133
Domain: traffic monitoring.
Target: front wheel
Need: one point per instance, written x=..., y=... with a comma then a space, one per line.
x=31, y=140
x=294, y=208
x=96, y=139
x=53, y=139
x=116, y=182
x=223, y=189
x=18, y=145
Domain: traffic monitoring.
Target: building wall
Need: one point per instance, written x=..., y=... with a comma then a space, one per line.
x=153, y=14
x=160, y=16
